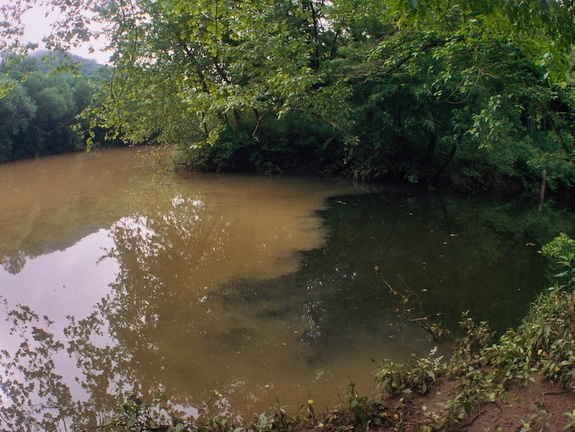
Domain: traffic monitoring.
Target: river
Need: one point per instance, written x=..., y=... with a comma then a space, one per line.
x=226, y=293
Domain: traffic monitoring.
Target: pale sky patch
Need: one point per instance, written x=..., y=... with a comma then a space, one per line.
x=38, y=23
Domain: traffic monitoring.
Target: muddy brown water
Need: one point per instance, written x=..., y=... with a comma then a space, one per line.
x=225, y=293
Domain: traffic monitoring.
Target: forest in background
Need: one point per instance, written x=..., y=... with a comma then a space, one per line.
x=474, y=95
x=39, y=111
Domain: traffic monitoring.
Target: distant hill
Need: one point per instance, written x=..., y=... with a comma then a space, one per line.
x=48, y=60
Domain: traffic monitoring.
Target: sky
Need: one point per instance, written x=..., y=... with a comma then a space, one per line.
x=38, y=26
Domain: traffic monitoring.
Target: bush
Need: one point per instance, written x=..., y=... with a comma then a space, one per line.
x=291, y=144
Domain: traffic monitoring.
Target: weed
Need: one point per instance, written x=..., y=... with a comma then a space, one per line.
x=393, y=378
x=535, y=421
x=571, y=425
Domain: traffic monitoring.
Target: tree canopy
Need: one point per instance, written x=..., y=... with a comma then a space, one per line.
x=429, y=91
x=38, y=113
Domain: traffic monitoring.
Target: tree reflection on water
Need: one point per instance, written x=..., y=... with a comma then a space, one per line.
x=121, y=344
x=164, y=323
x=231, y=285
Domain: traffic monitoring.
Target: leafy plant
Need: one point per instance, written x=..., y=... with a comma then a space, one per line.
x=365, y=410
x=393, y=378
x=571, y=424
x=536, y=421
x=137, y=415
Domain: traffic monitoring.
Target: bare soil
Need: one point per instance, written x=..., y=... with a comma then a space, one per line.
x=540, y=407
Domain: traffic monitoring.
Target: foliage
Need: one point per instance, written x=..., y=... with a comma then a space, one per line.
x=571, y=424
x=562, y=251
x=473, y=94
x=39, y=112
x=481, y=109
x=136, y=415
x=560, y=246
x=293, y=143
x=393, y=378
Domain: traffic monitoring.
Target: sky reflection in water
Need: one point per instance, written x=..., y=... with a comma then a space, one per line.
x=118, y=277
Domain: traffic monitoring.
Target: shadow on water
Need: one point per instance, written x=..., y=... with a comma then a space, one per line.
x=182, y=288
x=454, y=255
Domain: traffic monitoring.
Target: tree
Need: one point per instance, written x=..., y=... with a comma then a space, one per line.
x=40, y=108
x=453, y=93
x=422, y=91
x=192, y=69
x=16, y=111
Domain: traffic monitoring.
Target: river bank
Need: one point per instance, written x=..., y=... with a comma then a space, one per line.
x=522, y=382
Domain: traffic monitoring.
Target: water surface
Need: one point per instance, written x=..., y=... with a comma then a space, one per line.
x=224, y=292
